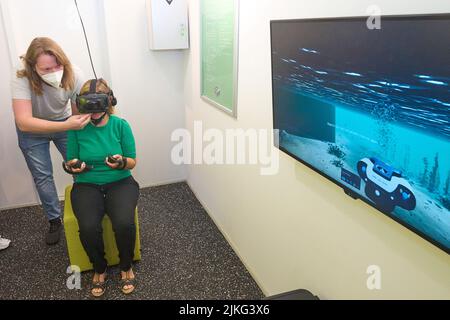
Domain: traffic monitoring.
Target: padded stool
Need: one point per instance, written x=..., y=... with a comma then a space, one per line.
x=77, y=255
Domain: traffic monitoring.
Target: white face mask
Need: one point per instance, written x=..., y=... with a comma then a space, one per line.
x=54, y=78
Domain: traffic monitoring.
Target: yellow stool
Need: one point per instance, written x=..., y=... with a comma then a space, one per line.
x=77, y=255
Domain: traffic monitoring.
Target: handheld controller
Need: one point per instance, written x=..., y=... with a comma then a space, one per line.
x=76, y=165
x=111, y=159
x=121, y=162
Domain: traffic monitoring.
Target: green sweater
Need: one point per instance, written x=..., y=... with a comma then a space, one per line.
x=93, y=144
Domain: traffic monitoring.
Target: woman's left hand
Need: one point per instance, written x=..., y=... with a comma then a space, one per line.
x=117, y=164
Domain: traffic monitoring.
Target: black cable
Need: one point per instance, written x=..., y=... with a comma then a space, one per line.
x=85, y=37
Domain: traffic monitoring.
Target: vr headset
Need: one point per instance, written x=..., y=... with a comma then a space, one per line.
x=93, y=102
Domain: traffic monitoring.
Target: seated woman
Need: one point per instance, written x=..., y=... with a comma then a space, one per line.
x=101, y=157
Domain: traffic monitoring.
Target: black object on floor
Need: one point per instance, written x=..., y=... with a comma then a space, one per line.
x=299, y=294
x=184, y=255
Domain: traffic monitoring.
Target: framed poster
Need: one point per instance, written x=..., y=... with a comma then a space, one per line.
x=219, y=53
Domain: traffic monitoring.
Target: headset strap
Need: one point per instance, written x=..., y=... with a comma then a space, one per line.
x=93, y=86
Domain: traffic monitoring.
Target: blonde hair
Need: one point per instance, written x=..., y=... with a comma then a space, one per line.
x=100, y=87
x=39, y=46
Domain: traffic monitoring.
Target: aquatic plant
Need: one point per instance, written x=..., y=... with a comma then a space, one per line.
x=447, y=185
x=445, y=202
x=336, y=151
x=406, y=159
x=424, y=179
x=337, y=163
x=433, y=183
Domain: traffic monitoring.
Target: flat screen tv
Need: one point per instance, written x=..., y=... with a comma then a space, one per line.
x=369, y=109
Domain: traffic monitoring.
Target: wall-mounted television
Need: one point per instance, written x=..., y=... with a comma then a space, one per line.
x=369, y=109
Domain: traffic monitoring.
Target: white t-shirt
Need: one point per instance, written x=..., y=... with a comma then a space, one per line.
x=53, y=104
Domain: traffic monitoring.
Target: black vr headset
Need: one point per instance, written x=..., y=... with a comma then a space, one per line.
x=93, y=102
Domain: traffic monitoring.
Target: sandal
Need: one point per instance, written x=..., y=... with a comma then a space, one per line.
x=98, y=285
x=127, y=282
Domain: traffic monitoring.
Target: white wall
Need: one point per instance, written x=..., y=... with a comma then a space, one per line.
x=15, y=182
x=148, y=86
x=285, y=230
x=23, y=20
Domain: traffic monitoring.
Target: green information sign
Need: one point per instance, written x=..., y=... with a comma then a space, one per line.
x=219, y=53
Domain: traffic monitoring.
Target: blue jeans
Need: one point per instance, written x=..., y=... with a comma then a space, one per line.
x=36, y=150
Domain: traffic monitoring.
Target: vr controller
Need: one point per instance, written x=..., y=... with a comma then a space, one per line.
x=385, y=185
x=122, y=163
x=111, y=159
x=76, y=165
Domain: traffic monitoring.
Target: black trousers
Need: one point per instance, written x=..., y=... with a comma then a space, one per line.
x=118, y=200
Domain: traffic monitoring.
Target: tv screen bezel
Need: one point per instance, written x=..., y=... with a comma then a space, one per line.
x=347, y=190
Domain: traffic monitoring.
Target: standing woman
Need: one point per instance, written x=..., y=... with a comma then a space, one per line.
x=40, y=97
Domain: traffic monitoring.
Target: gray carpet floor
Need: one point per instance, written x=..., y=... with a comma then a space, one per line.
x=184, y=255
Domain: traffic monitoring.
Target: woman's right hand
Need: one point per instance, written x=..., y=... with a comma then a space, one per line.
x=78, y=122
x=72, y=162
